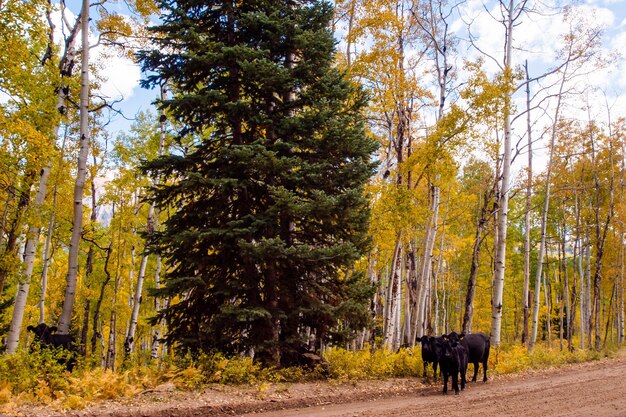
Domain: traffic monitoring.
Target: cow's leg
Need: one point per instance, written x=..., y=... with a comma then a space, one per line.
x=425, y=373
x=445, y=382
x=455, y=381
x=475, y=371
x=485, y=371
x=435, y=370
x=463, y=372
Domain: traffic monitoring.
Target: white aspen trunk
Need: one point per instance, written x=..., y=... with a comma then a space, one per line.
x=111, y=347
x=436, y=274
x=427, y=270
x=503, y=215
x=136, y=302
x=539, y=272
x=594, y=318
x=418, y=317
x=103, y=363
x=426, y=263
x=546, y=294
x=620, y=316
x=386, y=296
x=77, y=226
x=546, y=205
x=398, y=304
x=29, y=262
x=395, y=304
x=408, y=330
x=386, y=299
x=131, y=275
x=390, y=308
x=529, y=182
x=46, y=257
x=582, y=298
x=581, y=274
x=588, y=291
x=566, y=300
x=130, y=336
x=46, y=264
x=428, y=303
x=442, y=79
x=444, y=301
x=620, y=300
x=349, y=35
x=431, y=243
x=407, y=333
x=34, y=232
x=439, y=268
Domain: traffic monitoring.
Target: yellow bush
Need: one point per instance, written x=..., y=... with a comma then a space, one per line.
x=407, y=362
x=365, y=364
x=516, y=358
x=293, y=374
x=74, y=402
x=189, y=378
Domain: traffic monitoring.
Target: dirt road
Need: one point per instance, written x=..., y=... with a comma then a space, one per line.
x=591, y=389
x=597, y=390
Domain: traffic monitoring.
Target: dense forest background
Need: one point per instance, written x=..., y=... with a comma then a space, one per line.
x=491, y=170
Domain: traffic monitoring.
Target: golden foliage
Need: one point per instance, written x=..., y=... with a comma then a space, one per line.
x=372, y=364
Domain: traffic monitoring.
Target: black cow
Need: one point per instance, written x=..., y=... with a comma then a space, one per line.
x=453, y=361
x=477, y=345
x=430, y=353
x=47, y=337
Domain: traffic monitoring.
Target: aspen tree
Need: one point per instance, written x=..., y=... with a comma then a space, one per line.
x=70, y=291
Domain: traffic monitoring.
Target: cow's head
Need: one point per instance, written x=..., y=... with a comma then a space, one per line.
x=436, y=345
x=449, y=344
x=42, y=331
x=455, y=338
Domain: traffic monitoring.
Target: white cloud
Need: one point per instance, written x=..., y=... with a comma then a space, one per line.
x=122, y=76
x=619, y=41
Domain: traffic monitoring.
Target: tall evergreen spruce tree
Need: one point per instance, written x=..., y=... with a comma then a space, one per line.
x=269, y=209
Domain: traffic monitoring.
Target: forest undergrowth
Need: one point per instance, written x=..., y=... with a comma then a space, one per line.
x=37, y=378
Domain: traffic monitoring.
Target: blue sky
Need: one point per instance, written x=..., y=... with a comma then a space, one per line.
x=536, y=37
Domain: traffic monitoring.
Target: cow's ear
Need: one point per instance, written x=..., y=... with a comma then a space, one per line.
x=52, y=329
x=444, y=337
x=461, y=336
x=30, y=329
